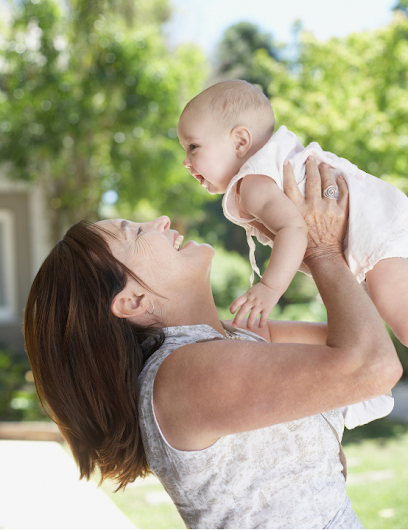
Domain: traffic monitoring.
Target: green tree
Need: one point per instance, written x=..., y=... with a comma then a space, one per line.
x=402, y=5
x=18, y=398
x=351, y=96
x=89, y=101
x=236, y=50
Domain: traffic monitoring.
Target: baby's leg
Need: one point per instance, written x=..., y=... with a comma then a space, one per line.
x=387, y=285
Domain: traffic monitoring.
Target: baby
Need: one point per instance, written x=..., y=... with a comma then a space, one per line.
x=227, y=133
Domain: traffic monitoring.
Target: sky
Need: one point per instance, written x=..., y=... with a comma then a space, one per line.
x=204, y=21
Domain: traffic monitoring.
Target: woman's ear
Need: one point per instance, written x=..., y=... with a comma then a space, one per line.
x=128, y=304
x=242, y=140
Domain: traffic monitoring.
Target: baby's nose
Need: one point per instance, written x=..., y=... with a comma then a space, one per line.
x=187, y=163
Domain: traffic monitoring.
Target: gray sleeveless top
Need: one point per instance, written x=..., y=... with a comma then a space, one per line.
x=284, y=476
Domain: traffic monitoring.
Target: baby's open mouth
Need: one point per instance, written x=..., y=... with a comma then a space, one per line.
x=200, y=178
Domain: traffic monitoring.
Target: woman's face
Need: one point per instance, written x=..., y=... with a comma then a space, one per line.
x=150, y=251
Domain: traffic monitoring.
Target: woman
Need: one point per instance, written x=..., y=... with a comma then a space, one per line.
x=120, y=326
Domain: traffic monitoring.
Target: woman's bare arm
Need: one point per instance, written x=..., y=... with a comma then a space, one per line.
x=284, y=331
x=204, y=391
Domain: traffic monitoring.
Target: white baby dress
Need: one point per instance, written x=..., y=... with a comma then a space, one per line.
x=378, y=212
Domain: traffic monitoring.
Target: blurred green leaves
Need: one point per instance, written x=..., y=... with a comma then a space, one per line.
x=18, y=398
x=229, y=279
x=90, y=96
x=89, y=101
x=236, y=51
x=350, y=95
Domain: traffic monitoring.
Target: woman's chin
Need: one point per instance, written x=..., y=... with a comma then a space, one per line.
x=202, y=251
x=188, y=244
x=194, y=243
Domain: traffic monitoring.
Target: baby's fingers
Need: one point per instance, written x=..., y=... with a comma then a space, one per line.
x=252, y=318
x=245, y=308
x=238, y=302
x=238, y=318
x=264, y=318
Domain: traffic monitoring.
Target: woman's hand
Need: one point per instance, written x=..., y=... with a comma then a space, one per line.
x=326, y=219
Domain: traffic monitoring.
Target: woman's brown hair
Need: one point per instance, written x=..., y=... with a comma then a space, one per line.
x=85, y=360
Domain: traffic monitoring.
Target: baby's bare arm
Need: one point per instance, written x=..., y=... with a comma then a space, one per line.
x=261, y=198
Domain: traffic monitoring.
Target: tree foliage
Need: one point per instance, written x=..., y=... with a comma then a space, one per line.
x=18, y=398
x=236, y=51
x=89, y=101
x=402, y=5
x=351, y=96
x=90, y=97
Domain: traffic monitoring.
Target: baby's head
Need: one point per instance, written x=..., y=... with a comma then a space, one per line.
x=221, y=128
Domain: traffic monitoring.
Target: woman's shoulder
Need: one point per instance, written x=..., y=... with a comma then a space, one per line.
x=177, y=337
x=180, y=337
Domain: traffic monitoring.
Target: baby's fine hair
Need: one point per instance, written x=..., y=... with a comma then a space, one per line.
x=233, y=101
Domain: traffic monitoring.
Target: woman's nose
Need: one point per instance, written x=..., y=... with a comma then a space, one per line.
x=162, y=223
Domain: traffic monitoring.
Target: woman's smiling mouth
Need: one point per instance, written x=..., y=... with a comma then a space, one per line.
x=178, y=241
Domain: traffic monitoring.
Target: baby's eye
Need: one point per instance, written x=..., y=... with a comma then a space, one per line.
x=192, y=147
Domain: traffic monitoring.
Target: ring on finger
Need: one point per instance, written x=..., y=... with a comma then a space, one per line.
x=330, y=192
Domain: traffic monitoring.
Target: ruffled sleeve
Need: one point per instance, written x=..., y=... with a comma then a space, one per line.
x=366, y=411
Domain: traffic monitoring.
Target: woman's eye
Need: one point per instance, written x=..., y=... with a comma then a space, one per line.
x=139, y=231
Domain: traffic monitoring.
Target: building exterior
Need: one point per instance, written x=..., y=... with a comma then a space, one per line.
x=24, y=243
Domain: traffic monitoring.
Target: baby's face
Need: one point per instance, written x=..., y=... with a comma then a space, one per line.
x=210, y=154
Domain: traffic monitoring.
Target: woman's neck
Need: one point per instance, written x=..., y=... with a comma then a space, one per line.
x=193, y=308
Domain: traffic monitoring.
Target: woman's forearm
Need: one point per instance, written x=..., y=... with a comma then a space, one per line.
x=358, y=344
x=354, y=326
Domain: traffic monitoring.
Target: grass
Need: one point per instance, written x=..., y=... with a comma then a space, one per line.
x=377, y=484
x=146, y=504
x=378, y=472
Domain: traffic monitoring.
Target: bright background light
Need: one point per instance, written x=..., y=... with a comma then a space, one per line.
x=204, y=22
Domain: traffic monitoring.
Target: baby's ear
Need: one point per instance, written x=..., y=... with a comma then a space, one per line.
x=242, y=140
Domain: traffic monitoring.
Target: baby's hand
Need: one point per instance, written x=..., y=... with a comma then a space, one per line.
x=259, y=299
